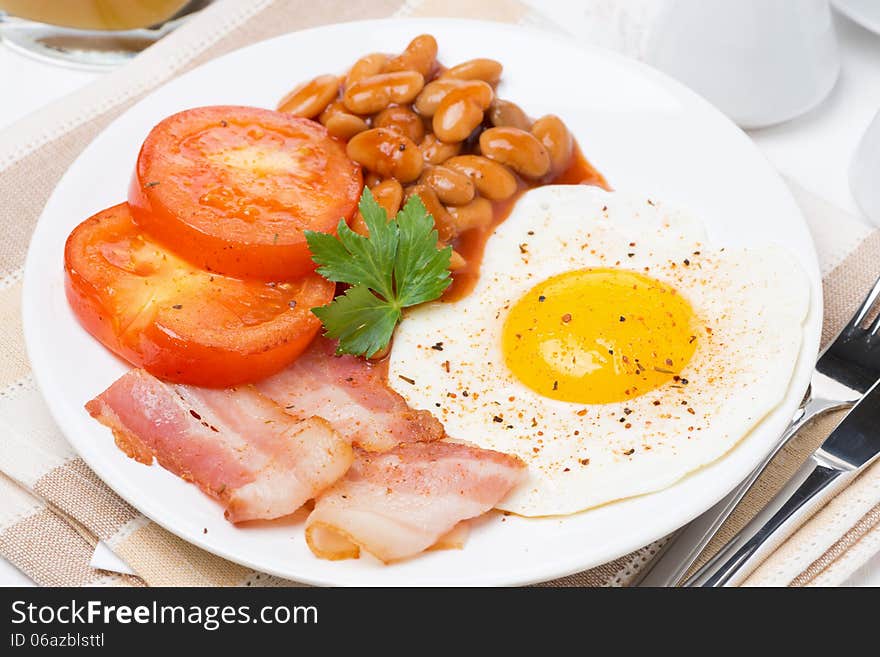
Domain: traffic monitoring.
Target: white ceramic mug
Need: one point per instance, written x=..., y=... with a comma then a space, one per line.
x=864, y=173
x=760, y=61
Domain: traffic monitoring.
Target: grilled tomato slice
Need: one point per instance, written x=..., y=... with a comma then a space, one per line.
x=180, y=322
x=231, y=189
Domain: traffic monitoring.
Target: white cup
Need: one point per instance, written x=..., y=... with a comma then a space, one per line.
x=864, y=172
x=760, y=61
x=864, y=12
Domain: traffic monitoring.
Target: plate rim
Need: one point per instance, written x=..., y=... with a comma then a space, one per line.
x=560, y=568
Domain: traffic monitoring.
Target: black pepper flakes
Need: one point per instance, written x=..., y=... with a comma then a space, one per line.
x=498, y=419
x=542, y=299
x=438, y=346
x=177, y=306
x=410, y=381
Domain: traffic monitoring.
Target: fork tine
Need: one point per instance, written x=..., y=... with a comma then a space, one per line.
x=864, y=309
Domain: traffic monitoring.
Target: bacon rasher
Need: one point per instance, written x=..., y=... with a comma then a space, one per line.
x=403, y=501
x=353, y=395
x=236, y=445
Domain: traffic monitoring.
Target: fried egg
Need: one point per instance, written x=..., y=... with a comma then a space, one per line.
x=607, y=345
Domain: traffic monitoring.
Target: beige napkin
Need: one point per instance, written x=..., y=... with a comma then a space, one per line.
x=53, y=509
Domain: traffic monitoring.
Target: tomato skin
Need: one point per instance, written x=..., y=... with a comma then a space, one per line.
x=231, y=189
x=182, y=324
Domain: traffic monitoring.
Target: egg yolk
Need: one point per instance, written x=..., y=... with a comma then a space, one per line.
x=596, y=336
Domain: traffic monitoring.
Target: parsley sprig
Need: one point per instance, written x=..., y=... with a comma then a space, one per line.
x=397, y=266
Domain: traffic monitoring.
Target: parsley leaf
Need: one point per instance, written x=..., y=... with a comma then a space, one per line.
x=397, y=266
x=420, y=268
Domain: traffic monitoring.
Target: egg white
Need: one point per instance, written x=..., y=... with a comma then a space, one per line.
x=750, y=305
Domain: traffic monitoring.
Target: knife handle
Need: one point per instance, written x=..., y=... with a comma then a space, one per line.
x=785, y=510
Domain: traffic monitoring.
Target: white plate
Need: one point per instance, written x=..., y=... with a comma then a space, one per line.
x=864, y=12
x=641, y=129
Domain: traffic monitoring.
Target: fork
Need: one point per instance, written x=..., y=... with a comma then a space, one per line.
x=845, y=371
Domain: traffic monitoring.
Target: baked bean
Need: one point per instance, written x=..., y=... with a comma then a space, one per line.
x=375, y=93
x=382, y=352
x=503, y=113
x=476, y=214
x=310, y=99
x=443, y=221
x=358, y=225
x=436, y=152
x=456, y=260
x=456, y=119
x=387, y=152
x=403, y=120
x=435, y=92
x=343, y=125
x=518, y=149
x=419, y=56
x=340, y=123
x=461, y=111
x=333, y=108
x=492, y=180
x=552, y=133
x=388, y=194
x=452, y=187
x=429, y=99
x=487, y=70
x=366, y=67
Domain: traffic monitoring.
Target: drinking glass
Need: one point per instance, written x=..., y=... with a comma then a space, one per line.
x=93, y=34
x=864, y=173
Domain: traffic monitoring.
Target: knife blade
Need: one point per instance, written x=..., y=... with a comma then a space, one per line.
x=853, y=444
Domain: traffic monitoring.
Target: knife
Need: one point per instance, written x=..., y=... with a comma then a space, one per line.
x=853, y=444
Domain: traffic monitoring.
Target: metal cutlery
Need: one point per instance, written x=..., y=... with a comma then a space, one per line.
x=853, y=444
x=845, y=371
